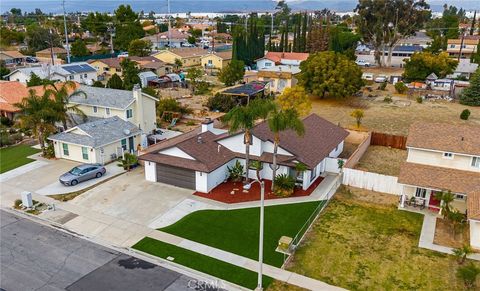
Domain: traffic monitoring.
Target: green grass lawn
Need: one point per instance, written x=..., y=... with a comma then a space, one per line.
x=237, y=231
x=359, y=245
x=202, y=263
x=15, y=156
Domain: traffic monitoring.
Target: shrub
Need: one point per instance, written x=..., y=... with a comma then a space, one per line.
x=17, y=204
x=383, y=86
x=6, y=121
x=49, y=151
x=222, y=103
x=469, y=275
x=465, y=114
x=202, y=88
x=400, y=87
x=236, y=172
x=419, y=99
x=191, y=123
x=129, y=161
x=170, y=104
x=388, y=99
x=284, y=185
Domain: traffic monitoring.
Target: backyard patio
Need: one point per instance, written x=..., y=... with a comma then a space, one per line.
x=233, y=192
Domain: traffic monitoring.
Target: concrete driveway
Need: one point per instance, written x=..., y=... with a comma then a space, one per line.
x=130, y=197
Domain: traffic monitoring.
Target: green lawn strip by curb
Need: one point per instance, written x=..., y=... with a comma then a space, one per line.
x=202, y=263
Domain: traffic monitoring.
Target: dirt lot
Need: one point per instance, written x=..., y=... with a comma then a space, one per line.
x=382, y=160
x=392, y=118
x=444, y=235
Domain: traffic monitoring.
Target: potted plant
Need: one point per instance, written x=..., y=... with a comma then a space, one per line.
x=284, y=185
x=236, y=172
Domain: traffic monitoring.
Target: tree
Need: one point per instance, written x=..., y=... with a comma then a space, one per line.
x=422, y=64
x=38, y=114
x=39, y=38
x=468, y=274
x=358, y=115
x=150, y=91
x=99, y=84
x=330, y=74
x=319, y=35
x=178, y=63
x=172, y=105
x=140, y=48
x=35, y=80
x=3, y=69
x=279, y=121
x=401, y=88
x=191, y=39
x=79, y=49
x=472, y=27
x=471, y=94
x=445, y=197
x=130, y=74
x=232, y=73
x=127, y=27
x=243, y=118
x=61, y=94
x=115, y=82
x=295, y=98
x=249, y=41
x=462, y=253
x=96, y=23
x=194, y=74
x=129, y=161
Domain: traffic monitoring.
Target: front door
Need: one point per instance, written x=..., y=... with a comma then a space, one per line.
x=434, y=203
x=131, y=144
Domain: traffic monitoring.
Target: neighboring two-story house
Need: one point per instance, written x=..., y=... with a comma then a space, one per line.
x=444, y=157
x=199, y=159
x=466, y=47
x=272, y=59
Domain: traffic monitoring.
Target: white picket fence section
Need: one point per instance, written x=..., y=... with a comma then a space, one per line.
x=371, y=181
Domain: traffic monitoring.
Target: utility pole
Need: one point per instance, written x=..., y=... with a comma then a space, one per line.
x=66, y=32
x=51, y=47
x=169, y=25
x=461, y=45
x=111, y=29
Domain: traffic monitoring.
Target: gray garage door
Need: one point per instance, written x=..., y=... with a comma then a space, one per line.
x=176, y=176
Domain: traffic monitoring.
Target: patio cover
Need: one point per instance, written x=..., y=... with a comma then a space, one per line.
x=249, y=89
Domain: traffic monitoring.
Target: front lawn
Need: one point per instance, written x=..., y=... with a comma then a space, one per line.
x=237, y=231
x=359, y=245
x=202, y=263
x=15, y=156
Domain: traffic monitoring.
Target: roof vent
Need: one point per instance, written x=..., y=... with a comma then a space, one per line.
x=199, y=139
x=93, y=125
x=126, y=131
x=463, y=138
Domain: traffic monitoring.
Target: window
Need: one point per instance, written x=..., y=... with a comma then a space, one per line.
x=84, y=153
x=452, y=46
x=447, y=155
x=476, y=162
x=210, y=62
x=107, y=111
x=421, y=193
x=124, y=144
x=84, y=75
x=460, y=196
x=70, y=77
x=129, y=113
x=65, y=149
x=314, y=174
x=267, y=64
x=95, y=109
x=106, y=69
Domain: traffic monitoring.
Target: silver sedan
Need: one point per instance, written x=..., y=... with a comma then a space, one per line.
x=82, y=173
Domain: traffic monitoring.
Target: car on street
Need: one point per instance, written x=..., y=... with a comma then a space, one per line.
x=381, y=79
x=82, y=173
x=367, y=76
x=362, y=63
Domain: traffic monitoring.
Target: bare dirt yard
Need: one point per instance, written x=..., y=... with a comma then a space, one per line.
x=395, y=117
x=382, y=160
x=444, y=235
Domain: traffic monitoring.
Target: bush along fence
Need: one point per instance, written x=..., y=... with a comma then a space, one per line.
x=389, y=140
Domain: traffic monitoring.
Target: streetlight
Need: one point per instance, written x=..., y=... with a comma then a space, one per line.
x=260, y=241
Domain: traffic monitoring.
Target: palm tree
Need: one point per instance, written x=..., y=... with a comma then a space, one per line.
x=243, y=118
x=38, y=114
x=61, y=95
x=462, y=253
x=446, y=198
x=278, y=121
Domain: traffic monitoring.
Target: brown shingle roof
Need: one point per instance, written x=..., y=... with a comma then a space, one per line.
x=189, y=52
x=462, y=139
x=473, y=205
x=13, y=54
x=439, y=178
x=56, y=50
x=225, y=55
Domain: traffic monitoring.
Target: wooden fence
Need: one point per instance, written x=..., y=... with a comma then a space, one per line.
x=389, y=140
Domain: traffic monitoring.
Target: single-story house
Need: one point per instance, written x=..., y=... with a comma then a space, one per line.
x=99, y=141
x=216, y=60
x=189, y=56
x=465, y=68
x=272, y=59
x=161, y=40
x=46, y=54
x=199, y=159
x=279, y=77
x=81, y=72
x=12, y=58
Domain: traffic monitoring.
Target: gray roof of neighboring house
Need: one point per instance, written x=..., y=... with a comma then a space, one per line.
x=103, y=97
x=63, y=70
x=98, y=133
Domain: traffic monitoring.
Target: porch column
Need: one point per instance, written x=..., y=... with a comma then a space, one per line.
x=402, y=200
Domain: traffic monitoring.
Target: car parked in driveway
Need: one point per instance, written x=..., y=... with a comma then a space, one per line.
x=82, y=173
x=362, y=63
x=381, y=79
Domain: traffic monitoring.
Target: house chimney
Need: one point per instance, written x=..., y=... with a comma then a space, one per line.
x=138, y=117
x=207, y=125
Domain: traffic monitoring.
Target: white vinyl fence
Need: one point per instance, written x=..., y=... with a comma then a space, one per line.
x=371, y=181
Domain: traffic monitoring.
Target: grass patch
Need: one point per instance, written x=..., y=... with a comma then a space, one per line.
x=382, y=160
x=15, y=156
x=359, y=245
x=202, y=263
x=237, y=231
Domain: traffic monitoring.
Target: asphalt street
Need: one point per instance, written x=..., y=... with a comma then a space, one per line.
x=38, y=257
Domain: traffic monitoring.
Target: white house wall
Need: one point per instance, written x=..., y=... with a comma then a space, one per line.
x=219, y=175
x=235, y=144
x=336, y=152
x=320, y=168
x=475, y=234
x=150, y=171
x=74, y=153
x=265, y=63
x=176, y=152
x=268, y=147
x=433, y=158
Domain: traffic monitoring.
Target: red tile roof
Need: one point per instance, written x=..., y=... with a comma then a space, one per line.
x=278, y=56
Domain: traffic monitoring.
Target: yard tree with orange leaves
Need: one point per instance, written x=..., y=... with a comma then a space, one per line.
x=296, y=98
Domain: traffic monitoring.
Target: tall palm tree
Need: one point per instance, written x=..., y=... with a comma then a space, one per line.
x=60, y=95
x=278, y=121
x=445, y=197
x=243, y=118
x=38, y=114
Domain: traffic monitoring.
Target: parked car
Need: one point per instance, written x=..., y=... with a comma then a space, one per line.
x=381, y=79
x=31, y=60
x=123, y=55
x=367, y=76
x=82, y=173
x=362, y=63
x=186, y=44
